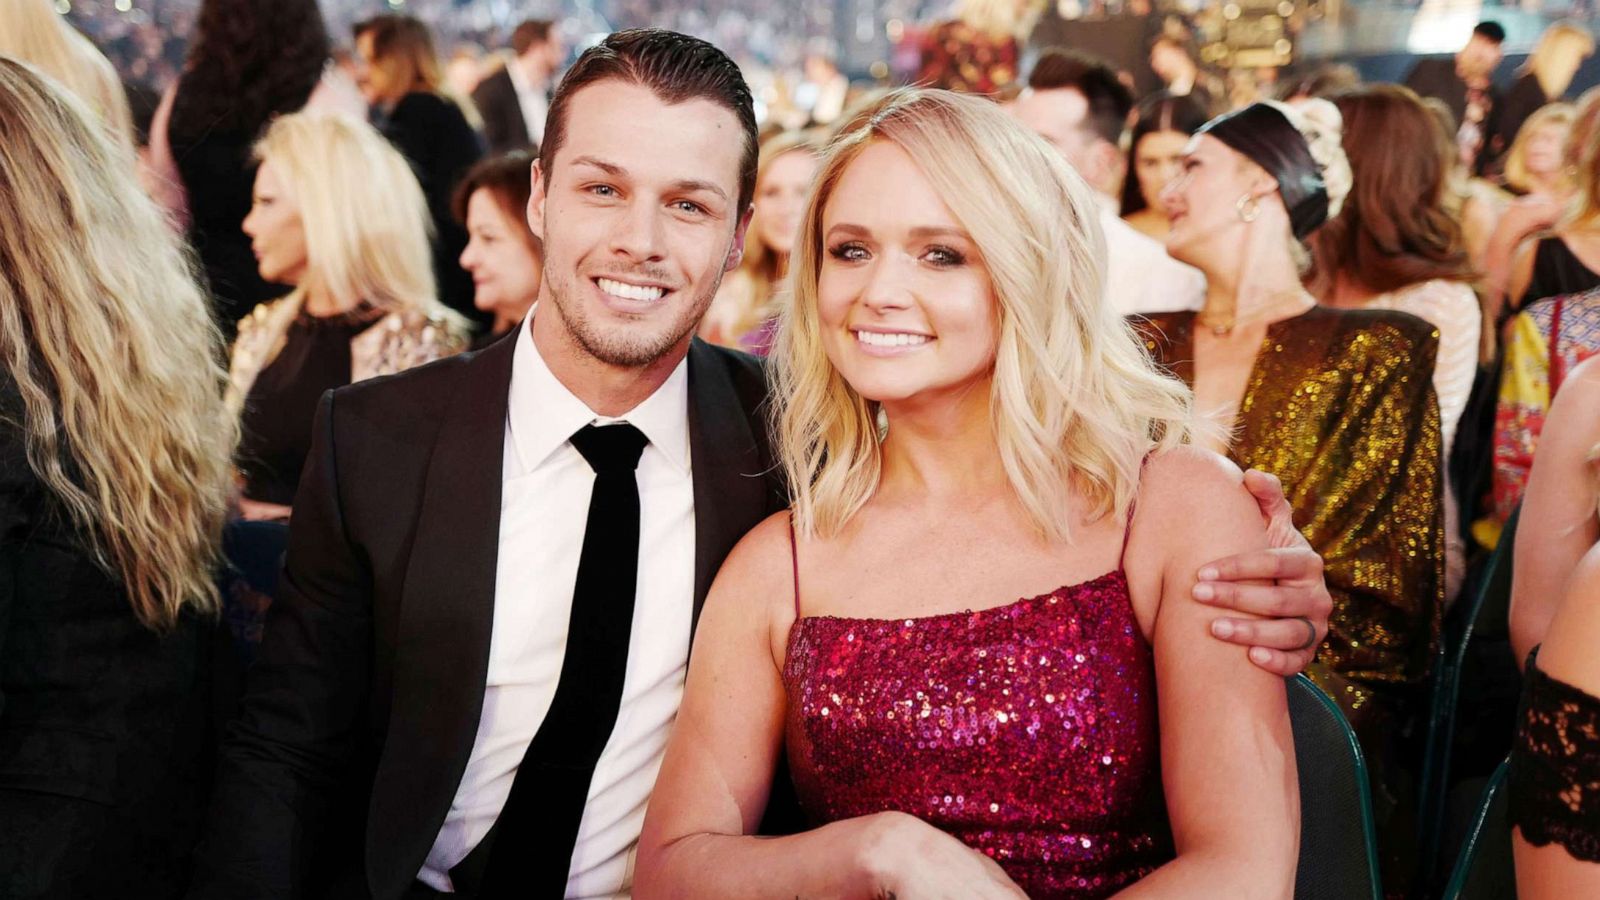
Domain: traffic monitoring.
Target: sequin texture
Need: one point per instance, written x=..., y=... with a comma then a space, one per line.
x=1028, y=731
x=1340, y=406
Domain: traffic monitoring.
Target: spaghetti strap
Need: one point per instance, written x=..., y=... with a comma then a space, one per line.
x=794, y=562
x=1127, y=529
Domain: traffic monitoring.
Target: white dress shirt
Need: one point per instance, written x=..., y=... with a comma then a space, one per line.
x=535, y=104
x=544, y=506
x=1140, y=277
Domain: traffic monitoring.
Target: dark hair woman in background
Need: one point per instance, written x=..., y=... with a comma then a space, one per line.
x=1162, y=126
x=503, y=256
x=249, y=60
x=401, y=79
x=115, y=470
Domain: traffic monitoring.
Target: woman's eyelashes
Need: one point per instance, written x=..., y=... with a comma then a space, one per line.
x=936, y=255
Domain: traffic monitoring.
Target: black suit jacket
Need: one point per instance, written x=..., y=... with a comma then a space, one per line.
x=503, y=126
x=364, y=702
x=103, y=722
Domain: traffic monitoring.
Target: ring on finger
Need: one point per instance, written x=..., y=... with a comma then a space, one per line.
x=1311, y=634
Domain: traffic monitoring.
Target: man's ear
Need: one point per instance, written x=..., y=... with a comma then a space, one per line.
x=536, y=198
x=736, y=252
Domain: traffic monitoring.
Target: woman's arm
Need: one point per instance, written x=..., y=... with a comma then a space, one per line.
x=719, y=765
x=1227, y=752
x=1559, y=522
x=1551, y=872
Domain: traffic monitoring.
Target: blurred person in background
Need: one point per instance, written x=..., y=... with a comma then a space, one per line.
x=979, y=51
x=1172, y=60
x=402, y=82
x=31, y=31
x=1565, y=259
x=337, y=214
x=1465, y=83
x=1536, y=164
x=1542, y=79
x=503, y=256
x=1162, y=126
x=743, y=313
x=515, y=100
x=115, y=462
x=1079, y=106
x=1394, y=246
x=1334, y=402
x=250, y=60
x=465, y=70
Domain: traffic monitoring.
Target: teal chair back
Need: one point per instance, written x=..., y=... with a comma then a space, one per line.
x=1484, y=869
x=1338, y=838
x=1487, y=611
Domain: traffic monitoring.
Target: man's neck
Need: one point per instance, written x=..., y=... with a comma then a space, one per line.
x=606, y=389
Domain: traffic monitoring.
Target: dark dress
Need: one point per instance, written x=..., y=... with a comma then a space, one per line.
x=1028, y=731
x=276, y=431
x=102, y=721
x=1555, y=766
x=218, y=177
x=1522, y=99
x=441, y=146
x=1556, y=271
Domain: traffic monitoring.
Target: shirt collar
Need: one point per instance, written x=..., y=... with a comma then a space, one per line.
x=544, y=415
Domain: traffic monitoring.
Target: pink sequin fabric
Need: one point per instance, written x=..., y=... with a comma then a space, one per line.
x=1027, y=730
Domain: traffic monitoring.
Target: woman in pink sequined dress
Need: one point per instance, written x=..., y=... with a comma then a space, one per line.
x=965, y=422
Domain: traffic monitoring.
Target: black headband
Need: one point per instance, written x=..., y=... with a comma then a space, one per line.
x=1264, y=135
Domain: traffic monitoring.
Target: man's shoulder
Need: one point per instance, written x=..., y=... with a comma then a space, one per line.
x=423, y=393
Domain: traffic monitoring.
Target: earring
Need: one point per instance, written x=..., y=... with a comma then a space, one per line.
x=1248, y=208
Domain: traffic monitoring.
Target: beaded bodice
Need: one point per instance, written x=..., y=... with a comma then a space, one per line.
x=1027, y=730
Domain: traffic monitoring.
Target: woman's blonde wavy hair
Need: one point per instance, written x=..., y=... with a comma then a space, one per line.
x=1516, y=167
x=113, y=350
x=33, y=32
x=365, y=217
x=1076, y=400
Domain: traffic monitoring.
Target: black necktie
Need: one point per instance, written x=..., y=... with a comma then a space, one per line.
x=538, y=826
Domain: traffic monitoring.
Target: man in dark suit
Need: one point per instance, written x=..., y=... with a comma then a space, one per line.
x=1465, y=83
x=515, y=100
x=496, y=561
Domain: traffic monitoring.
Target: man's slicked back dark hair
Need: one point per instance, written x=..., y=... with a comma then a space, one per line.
x=1110, y=101
x=676, y=68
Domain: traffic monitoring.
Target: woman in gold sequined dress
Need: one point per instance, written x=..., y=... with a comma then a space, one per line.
x=1336, y=402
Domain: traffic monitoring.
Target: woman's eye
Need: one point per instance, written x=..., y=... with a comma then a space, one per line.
x=945, y=257
x=849, y=252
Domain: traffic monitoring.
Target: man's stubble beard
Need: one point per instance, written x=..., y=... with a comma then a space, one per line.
x=628, y=350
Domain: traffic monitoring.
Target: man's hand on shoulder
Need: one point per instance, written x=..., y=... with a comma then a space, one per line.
x=1295, y=606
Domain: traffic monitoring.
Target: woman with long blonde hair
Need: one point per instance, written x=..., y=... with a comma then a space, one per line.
x=963, y=421
x=31, y=31
x=115, y=465
x=1543, y=79
x=744, y=313
x=339, y=215
x=1565, y=259
x=1536, y=163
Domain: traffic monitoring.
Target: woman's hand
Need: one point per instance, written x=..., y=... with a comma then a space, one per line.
x=905, y=858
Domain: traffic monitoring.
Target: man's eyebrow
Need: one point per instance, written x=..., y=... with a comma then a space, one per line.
x=686, y=184
x=691, y=184
x=598, y=163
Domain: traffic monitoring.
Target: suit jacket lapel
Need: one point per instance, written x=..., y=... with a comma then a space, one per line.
x=730, y=482
x=441, y=657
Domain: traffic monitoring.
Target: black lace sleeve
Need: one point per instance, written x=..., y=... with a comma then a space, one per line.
x=1555, y=766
